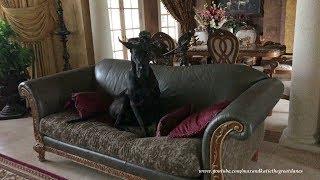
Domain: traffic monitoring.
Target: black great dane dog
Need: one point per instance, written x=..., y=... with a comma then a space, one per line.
x=137, y=108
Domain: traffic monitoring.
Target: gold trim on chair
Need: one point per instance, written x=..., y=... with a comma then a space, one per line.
x=169, y=42
x=216, y=144
x=165, y=38
x=223, y=47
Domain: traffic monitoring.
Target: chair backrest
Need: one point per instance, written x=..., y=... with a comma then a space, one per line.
x=223, y=47
x=169, y=42
x=164, y=38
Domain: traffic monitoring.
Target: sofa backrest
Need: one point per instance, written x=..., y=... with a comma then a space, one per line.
x=200, y=85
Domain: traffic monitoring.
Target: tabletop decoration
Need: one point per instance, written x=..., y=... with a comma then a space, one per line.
x=211, y=17
x=247, y=36
x=236, y=22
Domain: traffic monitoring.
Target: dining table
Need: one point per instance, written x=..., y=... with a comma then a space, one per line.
x=257, y=51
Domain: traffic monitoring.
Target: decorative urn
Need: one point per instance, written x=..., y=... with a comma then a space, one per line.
x=247, y=36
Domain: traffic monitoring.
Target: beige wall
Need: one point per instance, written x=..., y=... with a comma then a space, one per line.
x=272, y=20
x=290, y=23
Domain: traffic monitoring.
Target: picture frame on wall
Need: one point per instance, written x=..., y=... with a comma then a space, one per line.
x=245, y=7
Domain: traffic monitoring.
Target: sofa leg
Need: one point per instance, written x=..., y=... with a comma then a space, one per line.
x=40, y=149
x=255, y=156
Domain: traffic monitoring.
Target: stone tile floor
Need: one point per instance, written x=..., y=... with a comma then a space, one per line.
x=17, y=140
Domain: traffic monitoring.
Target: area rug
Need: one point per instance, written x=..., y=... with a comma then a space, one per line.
x=12, y=169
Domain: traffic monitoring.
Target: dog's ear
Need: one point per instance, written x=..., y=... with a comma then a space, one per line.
x=126, y=44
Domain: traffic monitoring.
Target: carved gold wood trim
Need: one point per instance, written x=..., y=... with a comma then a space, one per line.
x=40, y=149
x=218, y=47
x=39, y=146
x=216, y=144
x=94, y=165
x=35, y=113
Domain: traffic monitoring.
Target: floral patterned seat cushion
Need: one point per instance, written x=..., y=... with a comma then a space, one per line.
x=180, y=157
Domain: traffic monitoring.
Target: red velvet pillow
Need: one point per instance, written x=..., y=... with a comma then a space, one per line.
x=168, y=122
x=89, y=104
x=195, y=124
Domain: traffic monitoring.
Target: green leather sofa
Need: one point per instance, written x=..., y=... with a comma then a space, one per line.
x=229, y=142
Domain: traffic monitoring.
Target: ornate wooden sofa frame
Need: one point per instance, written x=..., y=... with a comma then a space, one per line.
x=229, y=141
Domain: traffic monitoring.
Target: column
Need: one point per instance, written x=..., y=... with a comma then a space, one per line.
x=101, y=34
x=304, y=113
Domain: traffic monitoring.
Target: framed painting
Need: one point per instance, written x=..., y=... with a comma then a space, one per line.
x=245, y=7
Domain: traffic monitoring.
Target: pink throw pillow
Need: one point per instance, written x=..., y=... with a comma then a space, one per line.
x=195, y=124
x=171, y=120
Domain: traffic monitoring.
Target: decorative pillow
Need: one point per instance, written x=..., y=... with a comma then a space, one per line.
x=195, y=124
x=89, y=104
x=171, y=120
x=70, y=104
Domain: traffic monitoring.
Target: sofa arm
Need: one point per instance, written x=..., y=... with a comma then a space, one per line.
x=48, y=94
x=240, y=119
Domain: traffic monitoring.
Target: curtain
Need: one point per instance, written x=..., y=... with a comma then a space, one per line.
x=183, y=12
x=34, y=22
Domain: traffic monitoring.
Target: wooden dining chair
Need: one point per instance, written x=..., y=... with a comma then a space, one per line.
x=270, y=66
x=223, y=47
x=165, y=39
x=283, y=69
